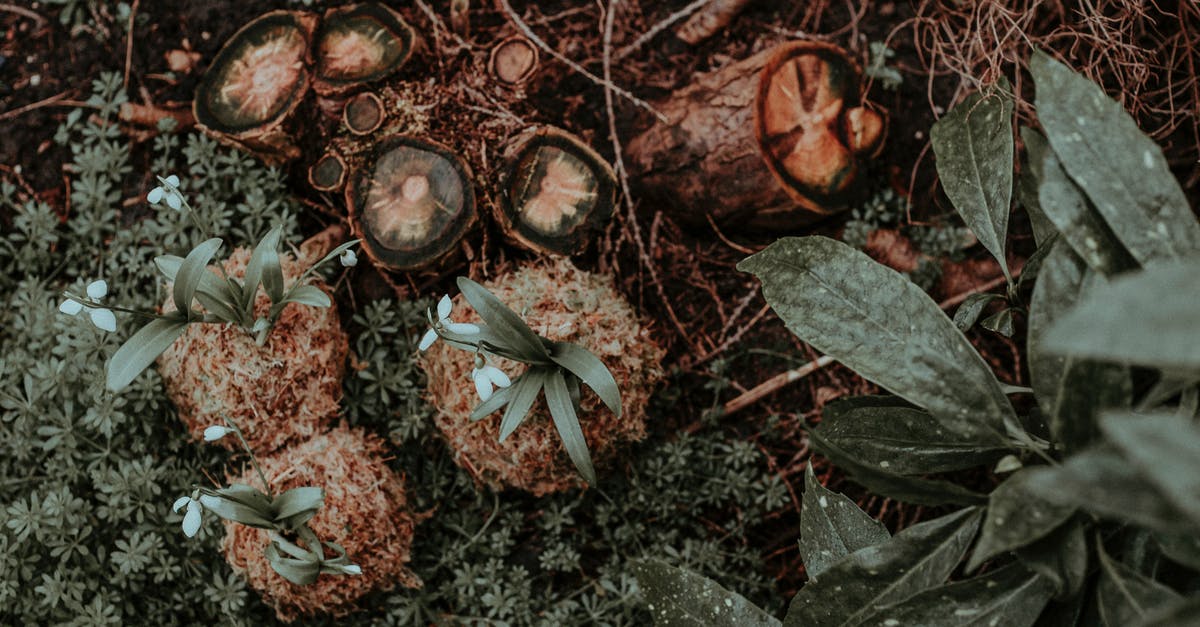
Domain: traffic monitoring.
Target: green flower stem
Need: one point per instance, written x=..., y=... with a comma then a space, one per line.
x=254, y=460
x=187, y=208
x=87, y=302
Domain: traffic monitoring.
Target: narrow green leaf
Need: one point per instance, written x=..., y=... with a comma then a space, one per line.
x=1165, y=449
x=1016, y=516
x=499, y=399
x=1120, y=169
x=525, y=393
x=217, y=307
x=1027, y=186
x=914, y=560
x=1011, y=596
x=239, y=512
x=588, y=367
x=298, y=500
x=210, y=283
x=558, y=399
x=970, y=310
x=681, y=598
x=1126, y=597
x=504, y=322
x=832, y=527
x=901, y=440
x=1148, y=318
x=140, y=350
x=1033, y=265
x=192, y=272
x=1000, y=322
x=247, y=495
x=884, y=327
x=1061, y=557
x=307, y=295
x=299, y=572
x=973, y=144
x=264, y=261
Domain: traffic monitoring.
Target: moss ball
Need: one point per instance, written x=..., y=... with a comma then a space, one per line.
x=365, y=511
x=287, y=390
x=562, y=303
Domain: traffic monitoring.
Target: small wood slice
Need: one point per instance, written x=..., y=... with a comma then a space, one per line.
x=513, y=61
x=357, y=44
x=363, y=113
x=411, y=203
x=557, y=192
x=328, y=173
x=255, y=84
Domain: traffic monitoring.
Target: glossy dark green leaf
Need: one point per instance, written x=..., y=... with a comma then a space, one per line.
x=1011, y=596
x=902, y=488
x=506, y=324
x=969, y=311
x=1017, y=515
x=1165, y=449
x=1120, y=169
x=193, y=270
x=973, y=144
x=562, y=410
x=308, y=295
x=525, y=393
x=1127, y=597
x=583, y=364
x=141, y=349
x=263, y=268
x=901, y=440
x=681, y=598
x=1061, y=557
x=1000, y=322
x=832, y=527
x=884, y=327
x=914, y=560
x=1148, y=318
x=1065, y=205
x=1027, y=186
x=1033, y=265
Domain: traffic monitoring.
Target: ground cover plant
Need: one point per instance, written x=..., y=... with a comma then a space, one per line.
x=616, y=313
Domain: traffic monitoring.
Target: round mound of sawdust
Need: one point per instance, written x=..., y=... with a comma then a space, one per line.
x=562, y=303
x=284, y=391
x=365, y=511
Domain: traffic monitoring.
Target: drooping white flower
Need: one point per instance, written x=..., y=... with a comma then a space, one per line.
x=191, y=520
x=101, y=317
x=485, y=376
x=216, y=432
x=348, y=258
x=169, y=190
x=444, y=322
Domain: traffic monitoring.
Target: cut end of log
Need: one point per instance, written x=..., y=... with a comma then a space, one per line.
x=258, y=77
x=412, y=203
x=557, y=191
x=514, y=60
x=358, y=44
x=363, y=113
x=328, y=173
x=807, y=138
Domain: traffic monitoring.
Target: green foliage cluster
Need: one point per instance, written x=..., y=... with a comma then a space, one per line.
x=1097, y=515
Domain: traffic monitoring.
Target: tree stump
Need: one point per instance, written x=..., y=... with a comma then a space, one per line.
x=513, y=61
x=358, y=44
x=328, y=173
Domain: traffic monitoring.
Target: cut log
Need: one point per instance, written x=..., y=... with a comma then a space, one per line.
x=557, y=192
x=358, y=44
x=802, y=99
x=363, y=113
x=411, y=203
x=460, y=17
x=713, y=18
x=513, y=60
x=255, y=84
x=328, y=173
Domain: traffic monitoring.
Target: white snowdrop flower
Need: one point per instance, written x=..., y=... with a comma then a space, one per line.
x=169, y=191
x=485, y=376
x=216, y=432
x=101, y=317
x=71, y=307
x=444, y=322
x=191, y=520
x=348, y=258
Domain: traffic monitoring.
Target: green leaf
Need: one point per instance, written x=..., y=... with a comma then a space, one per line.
x=1126, y=596
x=678, y=597
x=558, y=399
x=1181, y=548
x=1120, y=169
x=525, y=393
x=1149, y=318
x=217, y=307
x=970, y=310
x=210, y=283
x=1027, y=186
x=914, y=560
x=1180, y=613
x=240, y=513
x=140, y=350
x=1064, y=204
x=901, y=440
x=297, y=501
x=1000, y=322
x=1033, y=265
x=973, y=144
x=247, y=495
x=299, y=572
x=588, y=367
x=191, y=272
x=1165, y=449
x=1061, y=557
x=307, y=295
x=263, y=268
x=880, y=324
x=1008, y=597
x=499, y=399
x=1017, y=515
x=832, y=527
x=507, y=325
